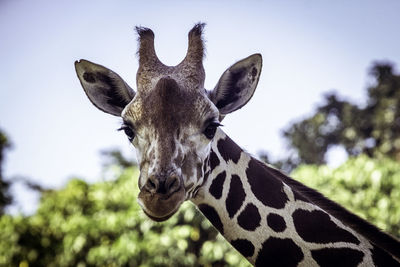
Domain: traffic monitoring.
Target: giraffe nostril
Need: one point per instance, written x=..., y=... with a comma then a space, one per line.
x=156, y=184
x=151, y=185
x=173, y=183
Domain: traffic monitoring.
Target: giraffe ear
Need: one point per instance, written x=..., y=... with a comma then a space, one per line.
x=104, y=88
x=237, y=84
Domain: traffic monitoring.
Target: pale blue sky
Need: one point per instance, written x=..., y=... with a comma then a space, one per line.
x=309, y=48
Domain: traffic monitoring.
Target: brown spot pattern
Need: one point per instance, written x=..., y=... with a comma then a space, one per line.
x=249, y=219
x=276, y=222
x=279, y=252
x=235, y=197
x=316, y=226
x=267, y=189
x=212, y=215
x=332, y=257
x=214, y=160
x=245, y=247
x=229, y=150
x=217, y=185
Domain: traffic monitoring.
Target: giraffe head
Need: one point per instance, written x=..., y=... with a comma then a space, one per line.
x=170, y=119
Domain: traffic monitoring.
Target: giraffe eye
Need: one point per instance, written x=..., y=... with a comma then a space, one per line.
x=128, y=131
x=209, y=132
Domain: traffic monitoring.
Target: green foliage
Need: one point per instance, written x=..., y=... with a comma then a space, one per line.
x=373, y=130
x=368, y=187
x=102, y=225
x=114, y=156
x=5, y=197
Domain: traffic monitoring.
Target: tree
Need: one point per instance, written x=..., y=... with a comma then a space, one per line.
x=5, y=197
x=114, y=156
x=373, y=129
x=101, y=224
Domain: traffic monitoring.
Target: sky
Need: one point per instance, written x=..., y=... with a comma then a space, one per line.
x=309, y=48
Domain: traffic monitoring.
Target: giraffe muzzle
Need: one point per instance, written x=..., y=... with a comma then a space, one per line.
x=161, y=197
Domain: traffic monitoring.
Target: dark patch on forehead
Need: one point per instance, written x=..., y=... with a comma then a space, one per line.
x=168, y=89
x=382, y=259
x=217, y=185
x=229, y=150
x=212, y=215
x=244, y=246
x=279, y=252
x=343, y=257
x=169, y=106
x=276, y=222
x=165, y=103
x=214, y=160
x=249, y=219
x=316, y=226
x=267, y=189
x=235, y=197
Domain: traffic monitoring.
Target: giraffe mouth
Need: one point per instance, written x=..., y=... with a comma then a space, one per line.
x=160, y=207
x=160, y=219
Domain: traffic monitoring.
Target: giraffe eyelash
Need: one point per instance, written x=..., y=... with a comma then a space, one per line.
x=130, y=133
x=212, y=122
x=211, y=129
x=216, y=124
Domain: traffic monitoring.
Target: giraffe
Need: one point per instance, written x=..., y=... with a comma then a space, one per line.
x=174, y=124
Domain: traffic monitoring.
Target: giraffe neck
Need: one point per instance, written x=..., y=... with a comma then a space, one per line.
x=273, y=220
